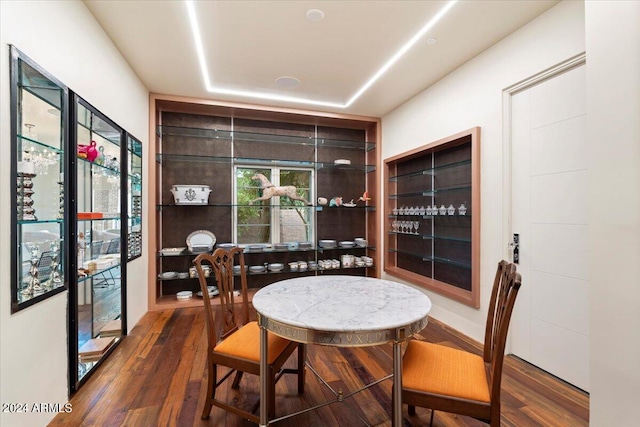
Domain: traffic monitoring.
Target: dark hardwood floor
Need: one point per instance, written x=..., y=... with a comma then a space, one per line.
x=157, y=377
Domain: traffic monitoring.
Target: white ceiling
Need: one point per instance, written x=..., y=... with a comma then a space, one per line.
x=249, y=44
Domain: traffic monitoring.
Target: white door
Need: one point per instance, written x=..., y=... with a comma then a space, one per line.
x=550, y=325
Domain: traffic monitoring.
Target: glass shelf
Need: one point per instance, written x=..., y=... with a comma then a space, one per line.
x=230, y=205
x=41, y=221
x=263, y=138
x=431, y=237
x=429, y=216
x=111, y=218
x=431, y=171
x=430, y=192
x=101, y=168
x=352, y=145
x=433, y=259
x=322, y=250
x=187, y=253
x=97, y=273
x=40, y=144
x=343, y=208
x=267, y=272
x=249, y=161
x=356, y=167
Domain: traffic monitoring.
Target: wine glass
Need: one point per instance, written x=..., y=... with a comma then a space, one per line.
x=416, y=224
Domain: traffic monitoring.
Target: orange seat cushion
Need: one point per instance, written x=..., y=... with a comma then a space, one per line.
x=245, y=343
x=436, y=369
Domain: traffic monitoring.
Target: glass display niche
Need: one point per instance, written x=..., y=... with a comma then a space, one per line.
x=98, y=293
x=39, y=139
x=134, y=208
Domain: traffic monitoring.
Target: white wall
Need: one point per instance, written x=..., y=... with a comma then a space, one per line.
x=63, y=38
x=472, y=96
x=613, y=102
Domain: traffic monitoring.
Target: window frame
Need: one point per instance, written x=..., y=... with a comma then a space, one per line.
x=274, y=202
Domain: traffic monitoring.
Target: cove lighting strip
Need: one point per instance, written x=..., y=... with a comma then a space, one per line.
x=195, y=29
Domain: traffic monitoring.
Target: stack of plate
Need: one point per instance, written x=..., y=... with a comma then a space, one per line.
x=305, y=245
x=347, y=244
x=236, y=269
x=255, y=248
x=172, y=251
x=183, y=275
x=184, y=295
x=256, y=269
x=328, y=244
x=168, y=275
x=280, y=246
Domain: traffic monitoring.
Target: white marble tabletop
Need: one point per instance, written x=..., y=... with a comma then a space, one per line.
x=349, y=304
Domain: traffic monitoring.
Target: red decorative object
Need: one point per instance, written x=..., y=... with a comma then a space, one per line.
x=89, y=152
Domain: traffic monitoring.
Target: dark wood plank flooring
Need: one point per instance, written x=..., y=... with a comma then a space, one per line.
x=157, y=377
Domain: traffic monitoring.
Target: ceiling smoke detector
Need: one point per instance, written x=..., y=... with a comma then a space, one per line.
x=315, y=15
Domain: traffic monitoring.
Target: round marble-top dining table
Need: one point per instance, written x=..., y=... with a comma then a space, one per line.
x=341, y=310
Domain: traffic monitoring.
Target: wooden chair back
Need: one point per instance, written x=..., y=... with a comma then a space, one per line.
x=221, y=263
x=503, y=297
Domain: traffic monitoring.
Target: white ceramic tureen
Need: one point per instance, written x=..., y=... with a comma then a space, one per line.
x=190, y=194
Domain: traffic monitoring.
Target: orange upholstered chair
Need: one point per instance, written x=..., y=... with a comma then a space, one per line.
x=450, y=380
x=238, y=346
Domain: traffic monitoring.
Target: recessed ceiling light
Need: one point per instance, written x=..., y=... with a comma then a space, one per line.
x=315, y=15
x=287, y=82
x=432, y=40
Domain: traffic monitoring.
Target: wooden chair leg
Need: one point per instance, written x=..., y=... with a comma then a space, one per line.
x=411, y=409
x=431, y=419
x=236, y=380
x=211, y=391
x=301, y=367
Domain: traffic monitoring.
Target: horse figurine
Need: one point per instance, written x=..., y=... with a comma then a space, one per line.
x=269, y=190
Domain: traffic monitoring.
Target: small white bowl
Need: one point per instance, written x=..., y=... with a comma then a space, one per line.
x=277, y=266
x=184, y=295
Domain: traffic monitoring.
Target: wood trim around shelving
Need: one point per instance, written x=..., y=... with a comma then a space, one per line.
x=470, y=298
x=172, y=103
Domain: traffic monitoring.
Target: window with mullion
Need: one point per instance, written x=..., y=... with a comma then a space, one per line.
x=260, y=218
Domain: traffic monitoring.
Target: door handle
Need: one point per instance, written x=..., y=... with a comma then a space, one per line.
x=515, y=245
